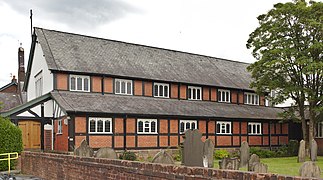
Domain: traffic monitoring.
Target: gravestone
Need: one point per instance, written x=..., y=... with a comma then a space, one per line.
x=163, y=157
x=310, y=169
x=229, y=163
x=259, y=167
x=313, y=150
x=301, y=151
x=192, y=148
x=106, y=153
x=84, y=150
x=208, y=153
x=254, y=158
x=244, y=154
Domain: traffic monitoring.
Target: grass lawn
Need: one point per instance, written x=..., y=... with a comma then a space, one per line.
x=284, y=165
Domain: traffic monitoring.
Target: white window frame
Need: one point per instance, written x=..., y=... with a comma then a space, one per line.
x=158, y=90
x=148, y=126
x=126, y=81
x=39, y=84
x=253, y=129
x=225, y=93
x=190, y=93
x=59, y=127
x=76, y=83
x=185, y=128
x=319, y=130
x=96, y=119
x=254, y=98
x=225, y=123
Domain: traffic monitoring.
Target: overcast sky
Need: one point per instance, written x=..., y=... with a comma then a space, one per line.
x=209, y=27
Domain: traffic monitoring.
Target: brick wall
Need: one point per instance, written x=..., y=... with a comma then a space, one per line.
x=60, y=166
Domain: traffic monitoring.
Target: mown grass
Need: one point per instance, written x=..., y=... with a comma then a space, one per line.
x=283, y=165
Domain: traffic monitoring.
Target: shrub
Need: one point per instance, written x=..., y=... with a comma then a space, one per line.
x=262, y=153
x=177, y=156
x=128, y=155
x=293, y=147
x=10, y=141
x=221, y=153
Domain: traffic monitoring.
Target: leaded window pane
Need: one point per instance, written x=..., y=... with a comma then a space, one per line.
x=86, y=84
x=118, y=87
x=193, y=125
x=182, y=125
x=79, y=83
x=147, y=126
x=140, y=126
x=129, y=88
x=156, y=90
x=73, y=83
x=92, y=126
x=165, y=91
x=188, y=125
x=107, y=126
x=194, y=93
x=123, y=87
x=153, y=126
x=100, y=126
x=198, y=94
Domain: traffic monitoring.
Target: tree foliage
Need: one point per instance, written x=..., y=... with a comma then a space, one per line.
x=288, y=47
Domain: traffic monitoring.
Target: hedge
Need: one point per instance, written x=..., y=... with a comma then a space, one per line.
x=10, y=141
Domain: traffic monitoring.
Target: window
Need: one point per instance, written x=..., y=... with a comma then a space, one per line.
x=224, y=95
x=147, y=126
x=187, y=124
x=223, y=127
x=194, y=93
x=100, y=125
x=319, y=130
x=59, y=127
x=39, y=84
x=161, y=90
x=251, y=98
x=254, y=128
x=123, y=86
x=79, y=83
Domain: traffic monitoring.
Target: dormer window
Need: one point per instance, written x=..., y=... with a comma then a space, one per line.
x=79, y=83
x=224, y=95
x=194, y=93
x=39, y=84
x=251, y=98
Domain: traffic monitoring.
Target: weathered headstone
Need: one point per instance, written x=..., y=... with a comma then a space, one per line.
x=84, y=150
x=301, y=151
x=313, y=150
x=244, y=154
x=208, y=153
x=163, y=157
x=254, y=158
x=229, y=163
x=259, y=167
x=106, y=153
x=193, y=148
x=310, y=169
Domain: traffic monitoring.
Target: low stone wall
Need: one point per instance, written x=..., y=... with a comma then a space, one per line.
x=61, y=166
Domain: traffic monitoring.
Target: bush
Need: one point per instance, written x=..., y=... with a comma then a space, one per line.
x=177, y=156
x=293, y=148
x=10, y=141
x=221, y=153
x=128, y=155
x=262, y=153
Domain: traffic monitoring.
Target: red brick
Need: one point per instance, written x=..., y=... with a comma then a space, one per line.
x=118, y=127
x=148, y=88
x=236, y=128
x=108, y=85
x=173, y=126
x=131, y=125
x=80, y=124
x=234, y=96
x=138, y=87
x=163, y=141
x=211, y=126
x=236, y=140
x=223, y=140
x=61, y=81
x=163, y=126
x=96, y=82
x=214, y=96
x=206, y=93
x=173, y=141
x=100, y=141
x=285, y=128
x=174, y=91
x=255, y=140
x=147, y=141
x=283, y=140
x=278, y=131
x=244, y=128
x=202, y=126
x=265, y=128
x=118, y=141
x=130, y=141
x=183, y=94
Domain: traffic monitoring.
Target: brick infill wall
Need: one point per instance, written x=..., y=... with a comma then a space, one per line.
x=61, y=166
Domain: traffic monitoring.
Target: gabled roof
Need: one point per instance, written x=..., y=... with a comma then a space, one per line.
x=9, y=101
x=12, y=83
x=83, y=54
x=78, y=102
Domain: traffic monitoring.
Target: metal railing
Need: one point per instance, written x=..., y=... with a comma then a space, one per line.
x=8, y=157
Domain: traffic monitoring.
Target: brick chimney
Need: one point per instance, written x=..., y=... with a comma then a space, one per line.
x=21, y=68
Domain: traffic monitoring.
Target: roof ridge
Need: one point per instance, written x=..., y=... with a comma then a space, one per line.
x=142, y=45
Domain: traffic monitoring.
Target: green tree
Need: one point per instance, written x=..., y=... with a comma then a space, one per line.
x=288, y=48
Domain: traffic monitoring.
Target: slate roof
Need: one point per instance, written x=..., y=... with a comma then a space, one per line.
x=78, y=53
x=139, y=105
x=9, y=101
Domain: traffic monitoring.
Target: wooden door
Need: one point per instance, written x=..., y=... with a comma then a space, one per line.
x=30, y=134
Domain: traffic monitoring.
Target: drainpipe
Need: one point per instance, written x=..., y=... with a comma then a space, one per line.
x=52, y=134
